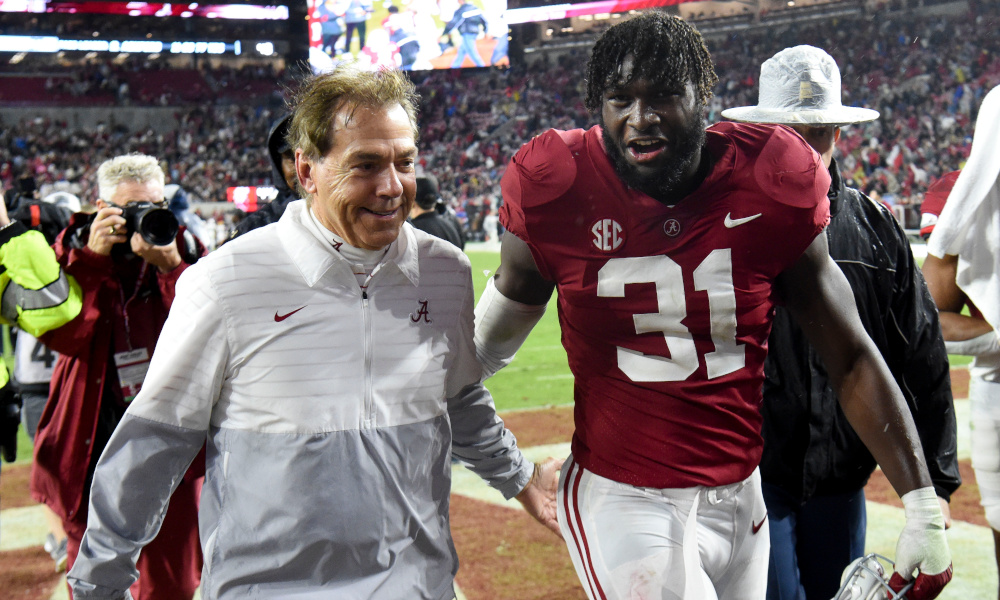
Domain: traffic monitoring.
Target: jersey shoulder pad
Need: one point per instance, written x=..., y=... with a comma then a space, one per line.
x=784, y=166
x=543, y=169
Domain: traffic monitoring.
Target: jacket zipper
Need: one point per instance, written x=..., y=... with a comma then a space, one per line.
x=369, y=418
x=370, y=413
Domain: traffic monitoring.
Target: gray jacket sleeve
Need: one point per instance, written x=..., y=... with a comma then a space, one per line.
x=141, y=466
x=150, y=450
x=479, y=437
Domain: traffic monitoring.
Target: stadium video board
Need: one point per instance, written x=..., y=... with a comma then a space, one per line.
x=408, y=34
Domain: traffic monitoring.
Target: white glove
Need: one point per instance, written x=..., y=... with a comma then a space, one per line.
x=922, y=547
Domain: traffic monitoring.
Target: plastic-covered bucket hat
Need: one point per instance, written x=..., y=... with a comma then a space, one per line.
x=800, y=86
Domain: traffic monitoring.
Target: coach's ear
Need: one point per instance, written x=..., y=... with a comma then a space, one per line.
x=303, y=170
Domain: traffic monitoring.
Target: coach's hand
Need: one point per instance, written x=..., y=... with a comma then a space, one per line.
x=539, y=496
x=922, y=547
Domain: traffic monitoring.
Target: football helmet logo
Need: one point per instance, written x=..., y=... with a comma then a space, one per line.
x=866, y=579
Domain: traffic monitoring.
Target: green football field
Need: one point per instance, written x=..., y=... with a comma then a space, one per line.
x=539, y=376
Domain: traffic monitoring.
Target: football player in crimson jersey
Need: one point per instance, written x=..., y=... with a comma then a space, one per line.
x=670, y=245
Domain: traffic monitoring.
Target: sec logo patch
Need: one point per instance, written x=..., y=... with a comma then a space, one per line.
x=607, y=235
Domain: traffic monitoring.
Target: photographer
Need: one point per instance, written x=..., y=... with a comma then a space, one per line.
x=41, y=298
x=127, y=257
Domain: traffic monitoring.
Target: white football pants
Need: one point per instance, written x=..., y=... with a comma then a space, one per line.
x=633, y=543
x=985, y=397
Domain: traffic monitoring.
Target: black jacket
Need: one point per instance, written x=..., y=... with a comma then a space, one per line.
x=440, y=226
x=468, y=19
x=809, y=447
x=272, y=211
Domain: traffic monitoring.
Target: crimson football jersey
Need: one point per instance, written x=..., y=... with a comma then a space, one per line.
x=665, y=311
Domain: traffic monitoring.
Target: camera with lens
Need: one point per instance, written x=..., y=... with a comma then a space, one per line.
x=156, y=225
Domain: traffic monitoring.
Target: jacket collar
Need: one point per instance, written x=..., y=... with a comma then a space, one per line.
x=838, y=189
x=313, y=255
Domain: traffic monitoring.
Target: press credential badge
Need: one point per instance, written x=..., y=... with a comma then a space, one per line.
x=132, y=367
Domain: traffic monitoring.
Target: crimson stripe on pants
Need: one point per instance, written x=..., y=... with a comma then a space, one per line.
x=584, y=553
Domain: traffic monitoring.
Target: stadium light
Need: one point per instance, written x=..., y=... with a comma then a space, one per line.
x=52, y=44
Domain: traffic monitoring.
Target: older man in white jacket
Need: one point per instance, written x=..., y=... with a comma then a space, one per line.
x=328, y=361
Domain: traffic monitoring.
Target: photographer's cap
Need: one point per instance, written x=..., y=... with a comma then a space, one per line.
x=427, y=191
x=800, y=86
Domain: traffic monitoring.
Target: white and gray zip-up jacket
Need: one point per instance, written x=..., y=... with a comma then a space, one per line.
x=330, y=415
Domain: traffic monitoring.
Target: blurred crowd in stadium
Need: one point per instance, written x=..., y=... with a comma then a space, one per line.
x=926, y=75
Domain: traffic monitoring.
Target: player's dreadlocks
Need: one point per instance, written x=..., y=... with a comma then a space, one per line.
x=666, y=50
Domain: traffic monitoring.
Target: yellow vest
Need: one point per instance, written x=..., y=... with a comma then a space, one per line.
x=35, y=294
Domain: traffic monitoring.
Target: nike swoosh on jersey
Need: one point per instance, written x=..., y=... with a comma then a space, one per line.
x=757, y=526
x=279, y=318
x=730, y=222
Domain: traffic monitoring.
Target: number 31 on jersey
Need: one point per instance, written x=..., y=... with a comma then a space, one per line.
x=715, y=276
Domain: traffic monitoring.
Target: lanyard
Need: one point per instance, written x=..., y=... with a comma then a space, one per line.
x=121, y=294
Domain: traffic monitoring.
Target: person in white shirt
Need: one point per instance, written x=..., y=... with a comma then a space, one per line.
x=329, y=362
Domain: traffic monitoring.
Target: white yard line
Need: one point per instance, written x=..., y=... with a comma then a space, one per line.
x=22, y=527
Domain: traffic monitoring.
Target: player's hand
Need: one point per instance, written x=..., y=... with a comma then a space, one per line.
x=165, y=258
x=922, y=549
x=945, y=512
x=107, y=229
x=539, y=496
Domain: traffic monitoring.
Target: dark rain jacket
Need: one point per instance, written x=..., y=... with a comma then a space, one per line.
x=468, y=19
x=272, y=211
x=440, y=226
x=809, y=446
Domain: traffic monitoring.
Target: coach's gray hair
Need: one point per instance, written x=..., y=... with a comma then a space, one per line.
x=129, y=167
x=320, y=98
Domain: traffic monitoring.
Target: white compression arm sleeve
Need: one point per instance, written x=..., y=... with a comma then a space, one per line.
x=977, y=346
x=502, y=325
